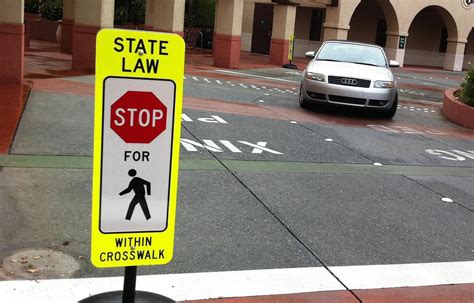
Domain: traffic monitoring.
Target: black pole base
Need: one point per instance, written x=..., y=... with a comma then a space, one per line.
x=290, y=66
x=116, y=297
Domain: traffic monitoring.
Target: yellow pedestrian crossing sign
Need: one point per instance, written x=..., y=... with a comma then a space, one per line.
x=138, y=102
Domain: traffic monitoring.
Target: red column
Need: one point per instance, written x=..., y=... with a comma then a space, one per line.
x=227, y=51
x=83, y=47
x=12, y=37
x=279, y=51
x=66, y=36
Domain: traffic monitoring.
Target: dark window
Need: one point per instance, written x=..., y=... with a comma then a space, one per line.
x=317, y=19
x=443, y=43
x=381, y=36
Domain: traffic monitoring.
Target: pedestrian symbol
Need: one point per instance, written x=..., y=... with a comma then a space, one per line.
x=138, y=186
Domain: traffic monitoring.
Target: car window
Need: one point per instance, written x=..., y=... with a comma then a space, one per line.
x=352, y=53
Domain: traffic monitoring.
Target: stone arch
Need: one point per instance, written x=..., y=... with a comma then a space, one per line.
x=371, y=20
x=430, y=31
x=469, y=52
x=448, y=18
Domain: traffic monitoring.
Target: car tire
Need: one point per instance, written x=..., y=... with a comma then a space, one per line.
x=304, y=103
x=388, y=114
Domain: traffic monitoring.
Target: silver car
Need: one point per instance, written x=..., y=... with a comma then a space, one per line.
x=351, y=74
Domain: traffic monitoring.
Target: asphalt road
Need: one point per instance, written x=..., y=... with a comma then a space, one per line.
x=263, y=183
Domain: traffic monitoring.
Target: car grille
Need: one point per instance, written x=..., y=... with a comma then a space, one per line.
x=351, y=81
x=349, y=100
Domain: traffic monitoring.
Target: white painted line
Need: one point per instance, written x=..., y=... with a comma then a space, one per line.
x=447, y=200
x=405, y=275
x=377, y=164
x=207, y=80
x=184, y=77
x=256, y=76
x=241, y=84
x=293, y=122
x=218, y=82
x=329, y=140
x=195, y=79
x=232, y=84
x=200, y=286
x=267, y=94
x=179, y=287
x=261, y=101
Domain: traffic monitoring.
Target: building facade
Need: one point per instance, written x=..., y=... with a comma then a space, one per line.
x=435, y=33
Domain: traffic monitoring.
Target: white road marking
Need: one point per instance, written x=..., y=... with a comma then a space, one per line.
x=267, y=94
x=241, y=84
x=328, y=140
x=251, y=75
x=195, y=79
x=293, y=122
x=207, y=80
x=246, y=283
x=377, y=164
x=218, y=82
x=230, y=146
x=447, y=200
x=260, y=147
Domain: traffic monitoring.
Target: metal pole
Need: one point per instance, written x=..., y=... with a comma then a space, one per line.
x=129, y=284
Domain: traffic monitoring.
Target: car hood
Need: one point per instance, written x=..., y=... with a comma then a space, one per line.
x=350, y=70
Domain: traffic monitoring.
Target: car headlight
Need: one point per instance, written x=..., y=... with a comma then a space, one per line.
x=315, y=76
x=383, y=84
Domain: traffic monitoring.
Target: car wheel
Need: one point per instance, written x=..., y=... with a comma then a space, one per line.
x=388, y=114
x=304, y=103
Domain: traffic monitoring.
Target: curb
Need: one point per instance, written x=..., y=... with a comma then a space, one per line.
x=456, y=111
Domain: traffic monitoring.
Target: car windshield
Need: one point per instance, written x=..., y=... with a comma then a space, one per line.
x=352, y=53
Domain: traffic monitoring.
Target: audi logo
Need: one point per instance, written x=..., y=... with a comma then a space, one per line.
x=348, y=81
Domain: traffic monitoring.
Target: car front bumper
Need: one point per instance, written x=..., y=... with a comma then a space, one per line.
x=317, y=91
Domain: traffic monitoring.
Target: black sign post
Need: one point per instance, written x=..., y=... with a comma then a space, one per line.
x=129, y=293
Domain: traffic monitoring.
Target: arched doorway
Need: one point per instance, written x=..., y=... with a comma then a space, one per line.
x=429, y=33
x=371, y=21
x=469, y=52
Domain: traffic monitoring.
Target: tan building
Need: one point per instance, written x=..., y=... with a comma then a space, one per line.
x=435, y=33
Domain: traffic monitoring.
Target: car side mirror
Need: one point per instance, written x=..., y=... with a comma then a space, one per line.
x=310, y=55
x=394, y=63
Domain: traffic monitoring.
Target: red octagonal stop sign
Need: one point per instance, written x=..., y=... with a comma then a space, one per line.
x=138, y=117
